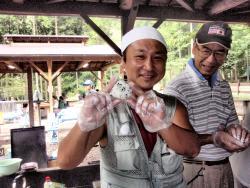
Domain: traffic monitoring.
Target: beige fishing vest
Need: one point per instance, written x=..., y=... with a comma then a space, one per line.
x=125, y=162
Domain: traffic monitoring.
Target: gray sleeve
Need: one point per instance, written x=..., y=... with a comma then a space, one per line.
x=172, y=90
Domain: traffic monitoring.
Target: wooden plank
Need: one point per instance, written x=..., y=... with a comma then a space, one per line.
x=14, y=65
x=80, y=65
x=223, y=5
x=101, y=33
x=30, y=96
x=158, y=23
x=112, y=10
x=128, y=20
x=50, y=85
x=185, y=5
x=59, y=70
x=199, y=4
x=40, y=71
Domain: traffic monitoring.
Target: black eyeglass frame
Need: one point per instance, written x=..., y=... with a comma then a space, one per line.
x=218, y=54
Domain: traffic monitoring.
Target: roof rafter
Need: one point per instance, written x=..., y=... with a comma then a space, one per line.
x=128, y=21
x=224, y=5
x=199, y=4
x=55, y=1
x=101, y=33
x=185, y=5
x=13, y=65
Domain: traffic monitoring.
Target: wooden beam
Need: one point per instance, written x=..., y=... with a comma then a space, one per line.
x=199, y=4
x=30, y=96
x=105, y=67
x=54, y=1
x=50, y=85
x=185, y=5
x=64, y=8
x=101, y=74
x=112, y=10
x=3, y=74
x=40, y=71
x=101, y=33
x=18, y=1
x=80, y=65
x=14, y=65
x=95, y=75
x=58, y=71
x=158, y=23
x=223, y=5
x=128, y=20
x=126, y=4
x=112, y=63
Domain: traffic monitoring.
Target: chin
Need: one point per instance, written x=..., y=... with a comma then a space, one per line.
x=146, y=87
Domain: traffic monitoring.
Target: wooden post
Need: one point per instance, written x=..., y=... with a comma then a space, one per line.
x=101, y=76
x=50, y=86
x=30, y=96
x=238, y=87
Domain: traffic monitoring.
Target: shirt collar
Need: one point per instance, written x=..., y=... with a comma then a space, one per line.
x=214, y=76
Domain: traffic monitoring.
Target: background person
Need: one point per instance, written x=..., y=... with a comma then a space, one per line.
x=211, y=109
x=131, y=155
x=89, y=87
x=62, y=103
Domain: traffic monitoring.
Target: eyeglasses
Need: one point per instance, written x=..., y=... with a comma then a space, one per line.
x=206, y=52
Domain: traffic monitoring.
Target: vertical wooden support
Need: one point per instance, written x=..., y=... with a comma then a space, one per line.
x=30, y=96
x=101, y=76
x=50, y=86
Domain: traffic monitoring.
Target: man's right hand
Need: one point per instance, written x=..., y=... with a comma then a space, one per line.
x=95, y=108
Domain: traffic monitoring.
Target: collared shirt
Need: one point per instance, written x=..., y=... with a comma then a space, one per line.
x=213, y=77
x=208, y=107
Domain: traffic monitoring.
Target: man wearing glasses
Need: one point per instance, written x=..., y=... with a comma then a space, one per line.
x=208, y=99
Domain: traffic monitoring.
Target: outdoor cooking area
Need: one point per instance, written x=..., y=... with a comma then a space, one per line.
x=114, y=94
x=37, y=148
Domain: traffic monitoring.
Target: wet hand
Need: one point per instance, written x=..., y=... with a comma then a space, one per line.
x=150, y=108
x=95, y=108
x=224, y=140
x=239, y=133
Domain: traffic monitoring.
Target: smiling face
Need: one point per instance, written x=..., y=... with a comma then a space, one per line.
x=209, y=58
x=145, y=63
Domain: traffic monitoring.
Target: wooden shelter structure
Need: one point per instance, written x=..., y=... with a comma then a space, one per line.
x=130, y=10
x=52, y=55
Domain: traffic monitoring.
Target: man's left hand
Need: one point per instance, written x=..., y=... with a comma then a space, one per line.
x=150, y=108
x=241, y=134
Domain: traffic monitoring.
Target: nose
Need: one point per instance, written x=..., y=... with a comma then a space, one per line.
x=148, y=65
x=211, y=58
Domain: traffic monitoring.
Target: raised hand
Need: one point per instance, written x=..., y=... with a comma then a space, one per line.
x=95, y=108
x=150, y=108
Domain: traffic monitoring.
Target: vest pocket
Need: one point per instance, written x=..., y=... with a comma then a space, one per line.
x=126, y=152
x=170, y=160
x=109, y=185
x=175, y=182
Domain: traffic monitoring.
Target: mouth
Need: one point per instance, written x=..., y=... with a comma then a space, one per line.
x=207, y=68
x=147, y=76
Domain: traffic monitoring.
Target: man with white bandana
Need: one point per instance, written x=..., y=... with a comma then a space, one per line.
x=211, y=109
x=142, y=133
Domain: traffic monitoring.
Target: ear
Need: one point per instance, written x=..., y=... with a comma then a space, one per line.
x=193, y=48
x=122, y=65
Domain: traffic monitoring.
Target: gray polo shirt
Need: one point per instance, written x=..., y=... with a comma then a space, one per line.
x=207, y=106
